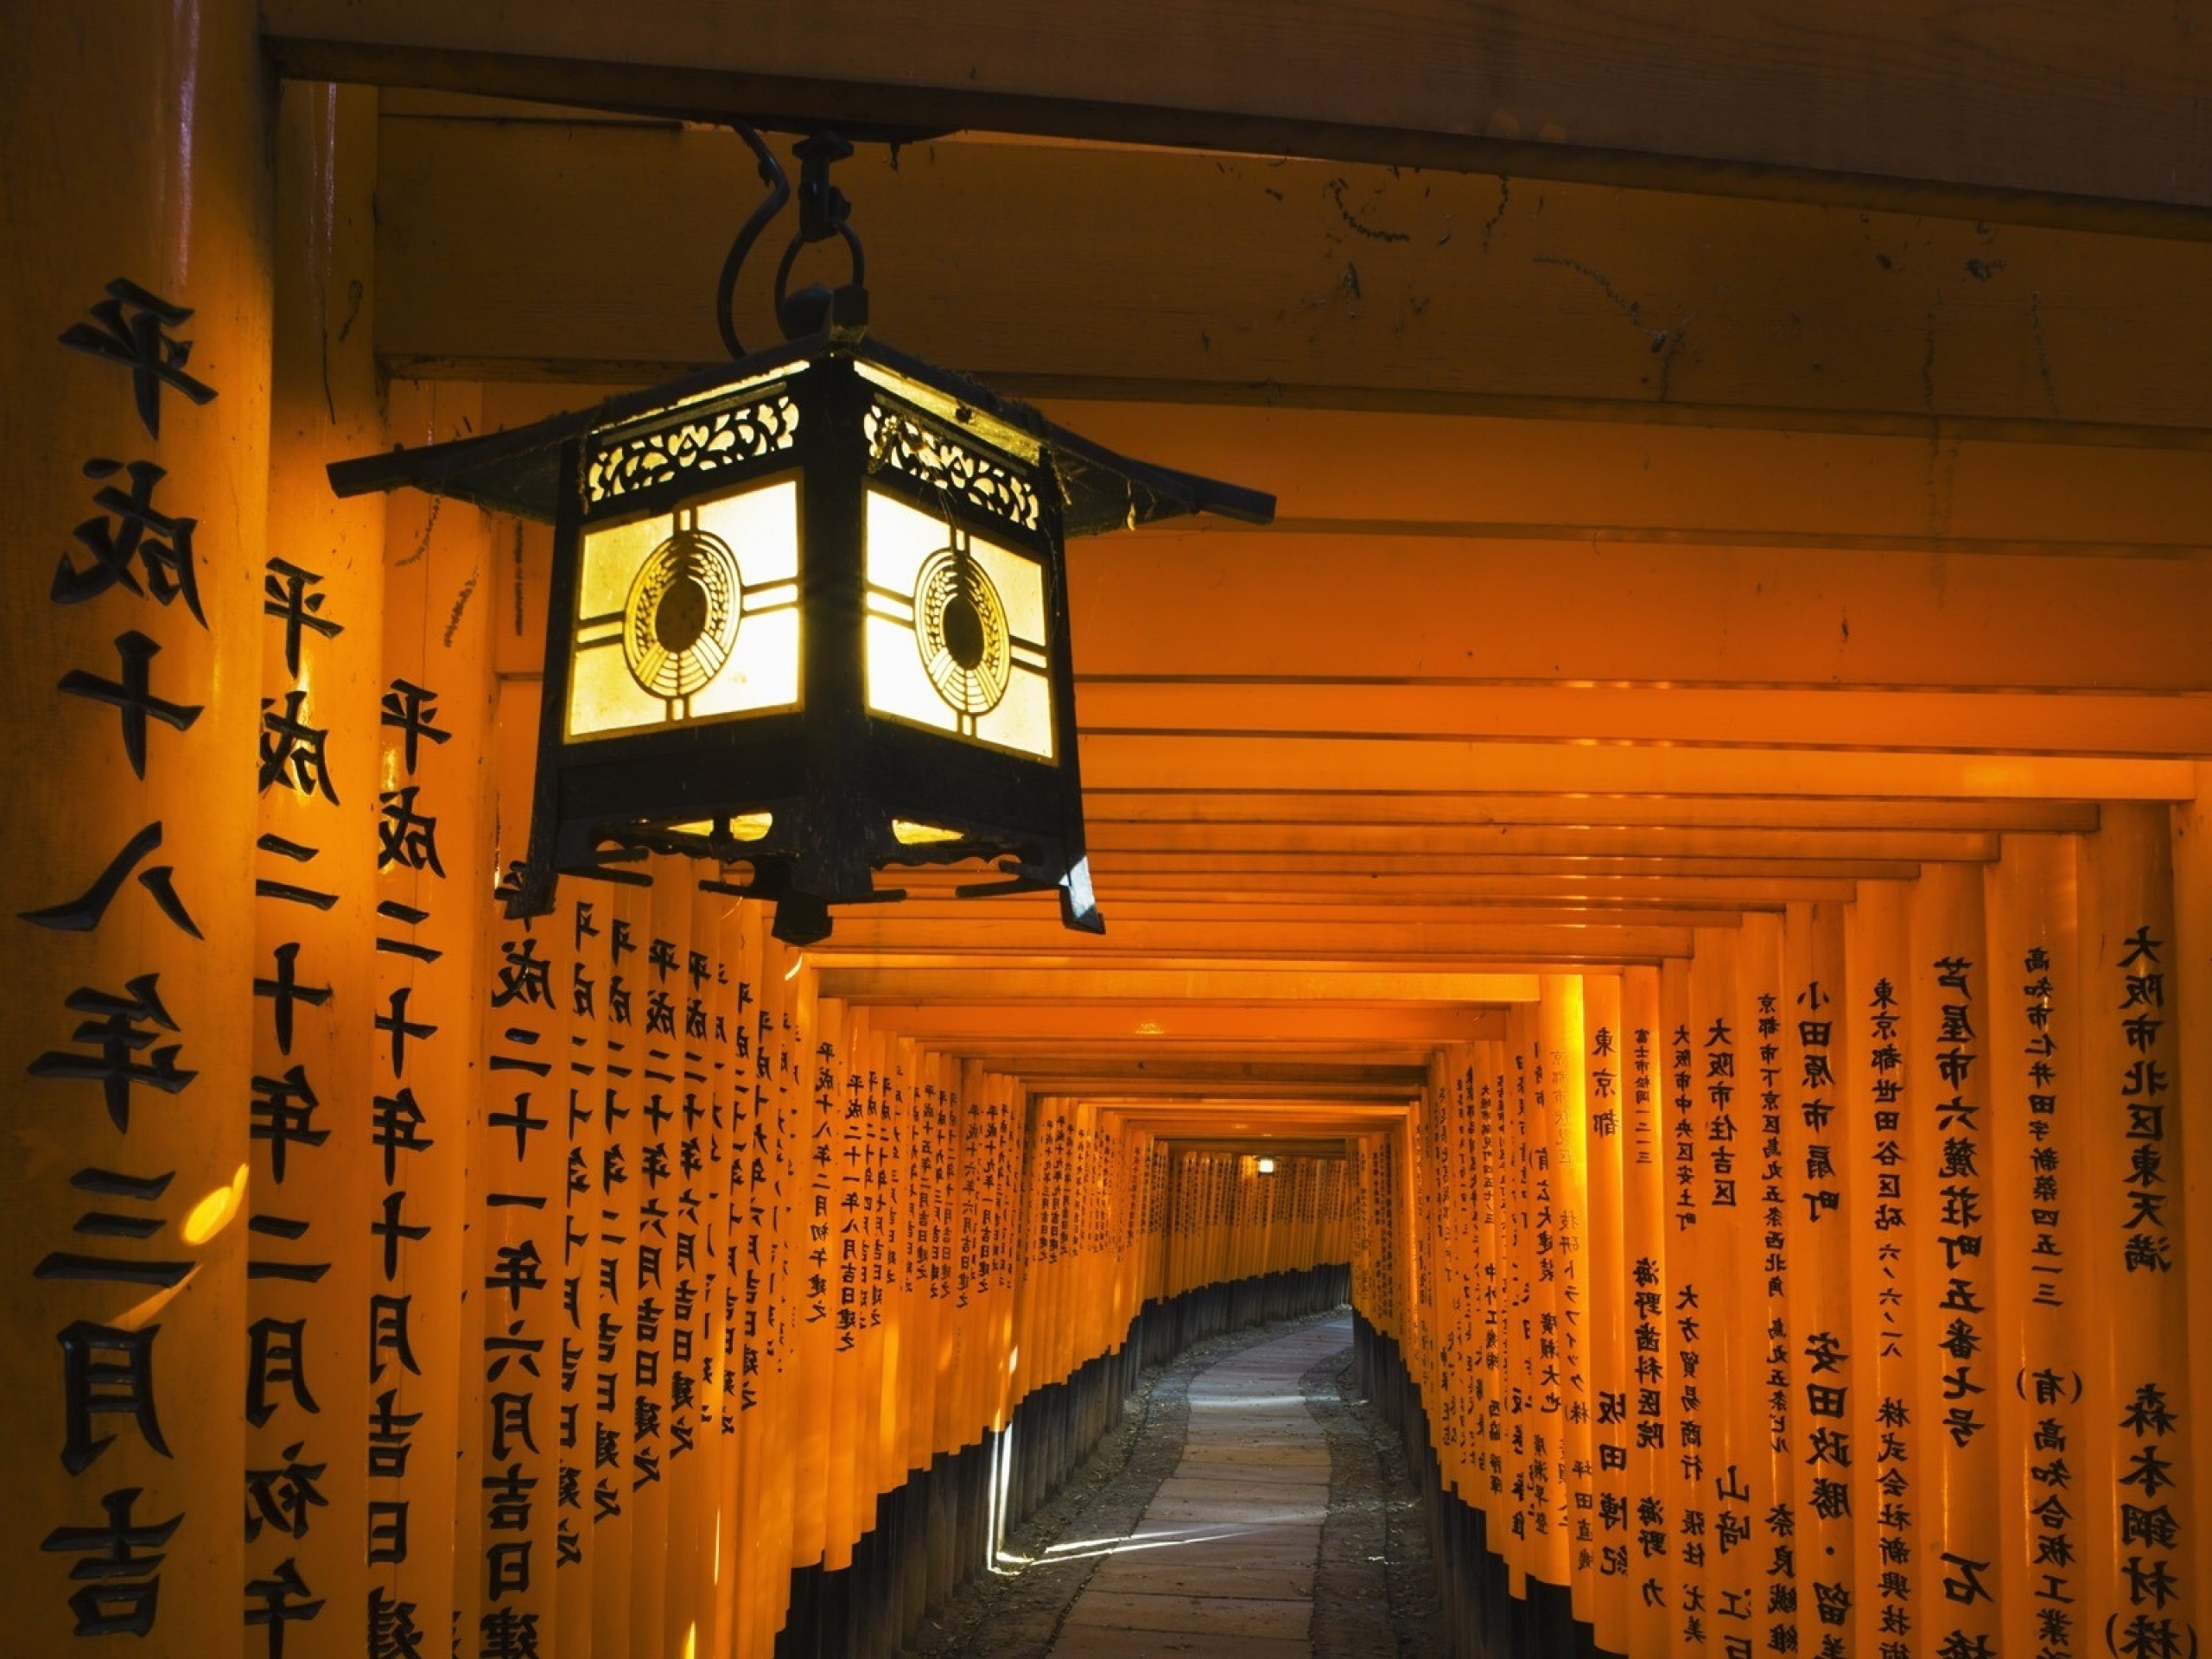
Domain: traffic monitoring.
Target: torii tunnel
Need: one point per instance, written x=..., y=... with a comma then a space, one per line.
x=1672, y=876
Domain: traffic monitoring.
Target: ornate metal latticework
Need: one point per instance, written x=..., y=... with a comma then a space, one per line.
x=918, y=449
x=693, y=443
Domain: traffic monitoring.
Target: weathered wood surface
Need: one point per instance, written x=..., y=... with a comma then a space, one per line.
x=1905, y=102
x=590, y=249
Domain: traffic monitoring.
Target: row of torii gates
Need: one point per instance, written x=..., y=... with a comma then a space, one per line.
x=1683, y=845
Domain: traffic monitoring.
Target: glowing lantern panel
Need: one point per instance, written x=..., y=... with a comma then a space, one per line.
x=957, y=639
x=690, y=615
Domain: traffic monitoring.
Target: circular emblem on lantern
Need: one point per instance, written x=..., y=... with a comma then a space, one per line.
x=679, y=624
x=960, y=631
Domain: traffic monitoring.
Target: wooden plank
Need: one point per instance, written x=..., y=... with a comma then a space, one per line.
x=1230, y=907
x=1017, y=1054
x=1379, y=473
x=1280, y=1145
x=1564, y=884
x=1301, y=282
x=1107, y=840
x=1274, y=763
x=1704, y=812
x=1487, y=878
x=955, y=1019
x=1911, y=104
x=1187, y=603
x=1643, y=895
x=1359, y=938
x=1094, y=1074
x=2039, y=722
x=1347, y=1118
x=1287, y=982
x=1052, y=956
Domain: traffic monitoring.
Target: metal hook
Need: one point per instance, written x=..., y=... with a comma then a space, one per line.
x=780, y=192
x=825, y=212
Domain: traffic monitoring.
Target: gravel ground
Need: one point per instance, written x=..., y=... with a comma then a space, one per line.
x=1373, y=1591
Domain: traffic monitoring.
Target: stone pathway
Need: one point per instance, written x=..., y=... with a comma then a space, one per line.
x=1133, y=1559
x=1221, y=1564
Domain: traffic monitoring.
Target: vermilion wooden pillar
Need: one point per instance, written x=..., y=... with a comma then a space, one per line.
x=134, y=347
x=426, y=1368
x=313, y=1261
x=2139, y=1510
x=2041, y=1109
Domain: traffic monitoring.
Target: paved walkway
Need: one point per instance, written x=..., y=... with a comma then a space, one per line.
x=1222, y=1563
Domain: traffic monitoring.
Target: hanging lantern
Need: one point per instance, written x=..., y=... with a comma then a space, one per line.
x=809, y=612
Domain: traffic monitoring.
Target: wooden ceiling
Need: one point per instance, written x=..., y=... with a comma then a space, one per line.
x=1713, y=471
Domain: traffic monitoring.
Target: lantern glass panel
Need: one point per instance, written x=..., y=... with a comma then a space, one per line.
x=743, y=826
x=956, y=630
x=908, y=833
x=687, y=616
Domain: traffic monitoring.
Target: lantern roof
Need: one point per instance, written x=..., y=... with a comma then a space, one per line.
x=518, y=471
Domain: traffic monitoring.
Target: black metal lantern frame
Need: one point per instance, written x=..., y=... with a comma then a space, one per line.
x=891, y=534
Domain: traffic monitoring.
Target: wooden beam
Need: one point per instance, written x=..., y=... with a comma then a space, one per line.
x=2086, y=722
x=1275, y=763
x=953, y=1019
x=1298, y=281
x=1376, y=473
x=1286, y=1117
x=1393, y=1091
x=1229, y=906
x=1109, y=840
x=1019, y=1055
x=1288, y=982
x=982, y=933
x=1261, y=1078
x=1914, y=105
x=1454, y=876
x=1189, y=604
x=1413, y=879
x=1441, y=897
x=1622, y=812
x=1637, y=896
x=1046, y=959
x=1269, y=1143
x=1459, y=883
x=1338, y=1115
